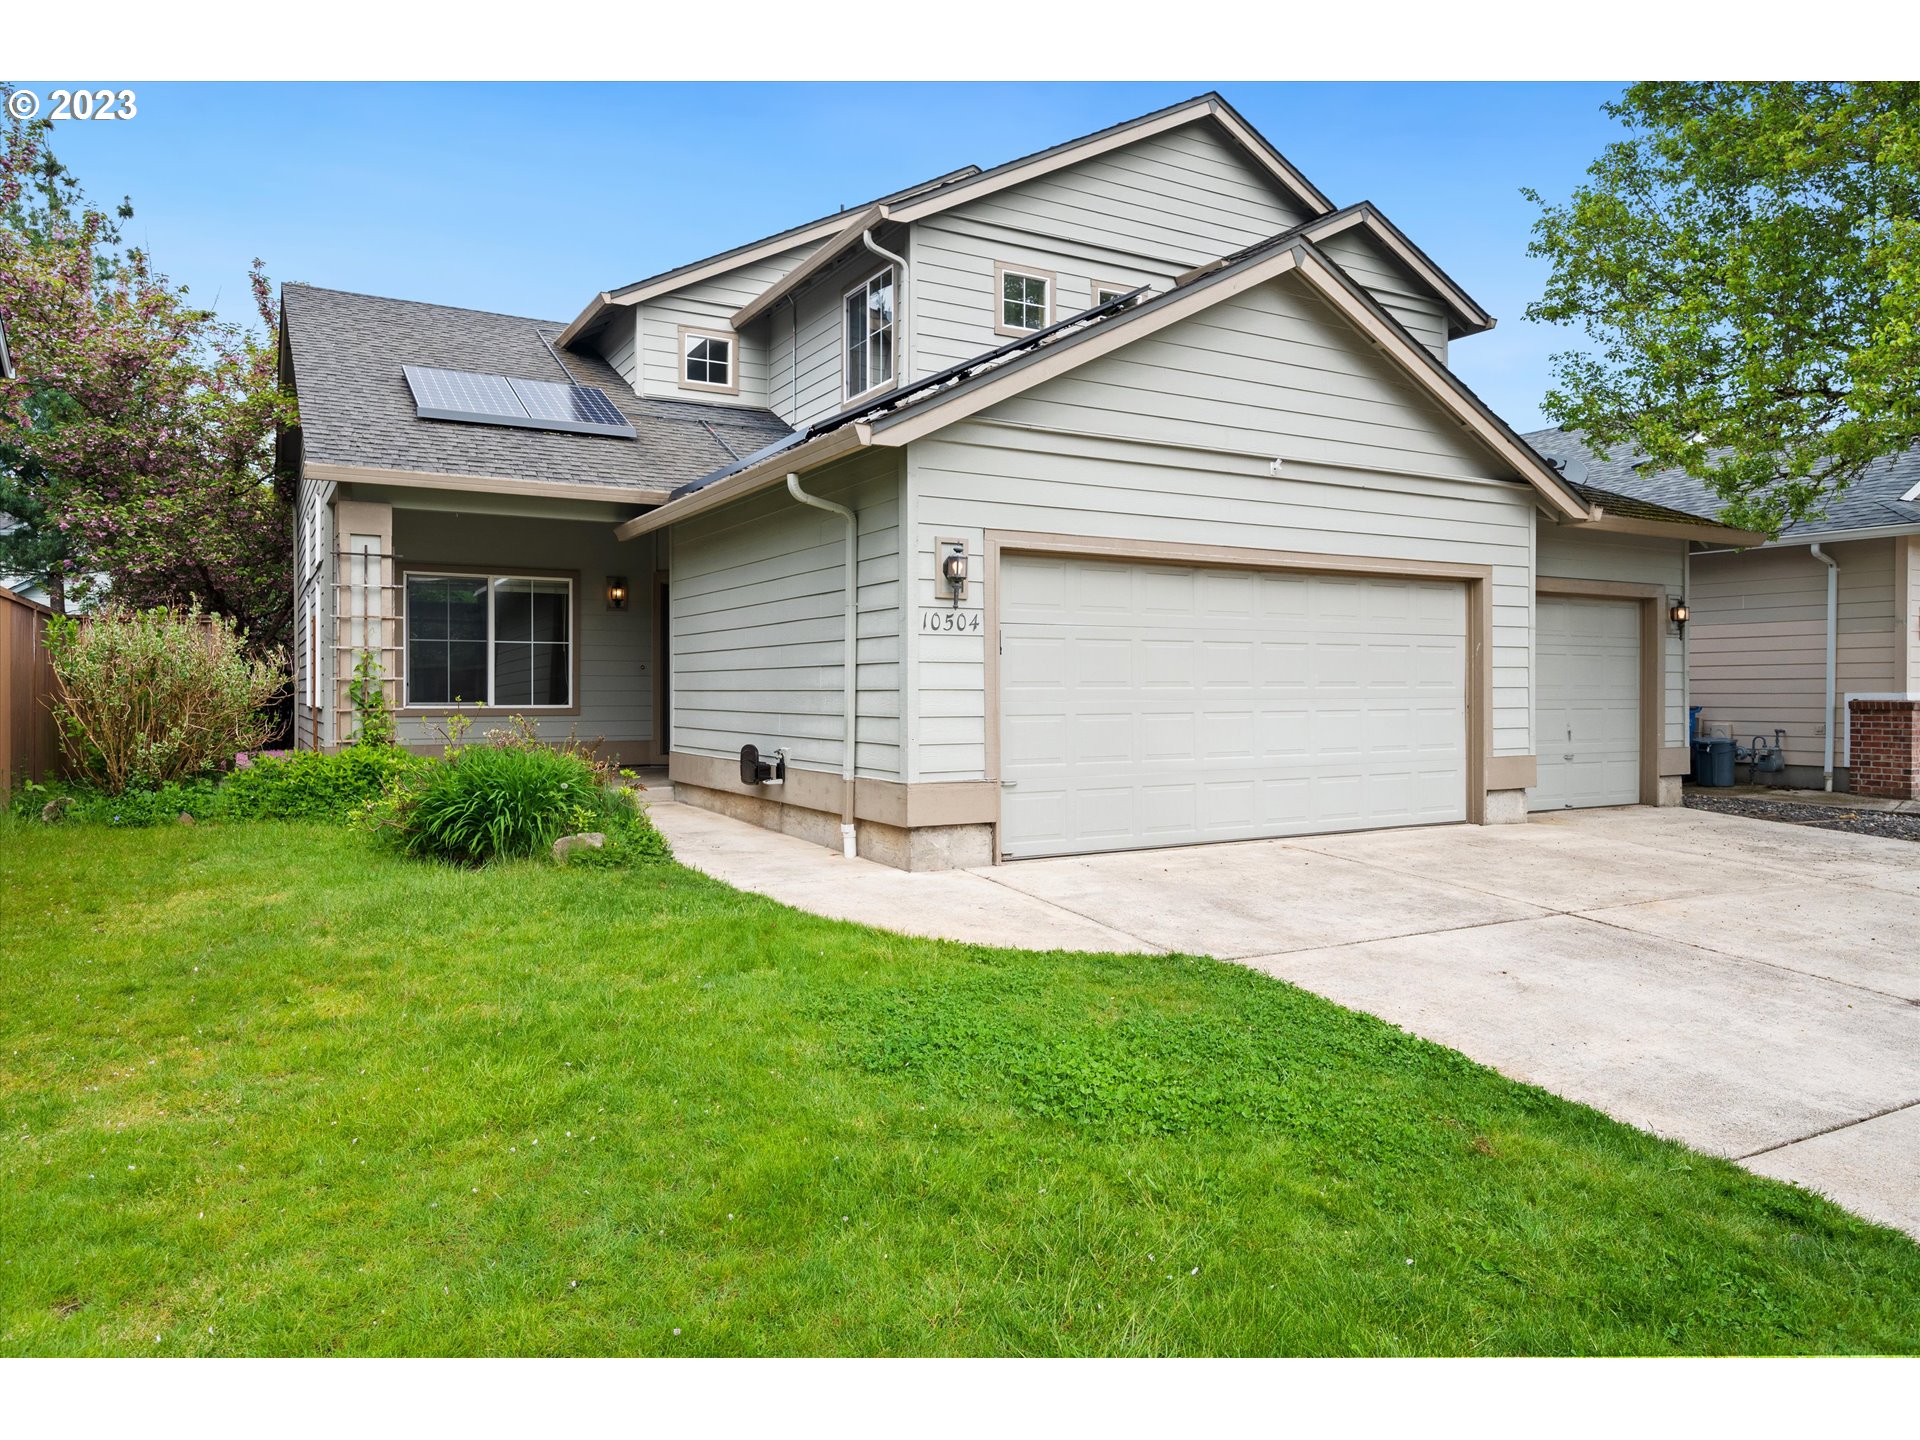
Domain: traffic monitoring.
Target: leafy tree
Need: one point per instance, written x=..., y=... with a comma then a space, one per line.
x=136, y=440
x=1746, y=264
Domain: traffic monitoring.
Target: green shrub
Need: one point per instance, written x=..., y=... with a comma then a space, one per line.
x=490, y=802
x=136, y=807
x=151, y=696
x=308, y=785
x=631, y=839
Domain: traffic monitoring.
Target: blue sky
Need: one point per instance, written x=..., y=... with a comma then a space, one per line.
x=529, y=198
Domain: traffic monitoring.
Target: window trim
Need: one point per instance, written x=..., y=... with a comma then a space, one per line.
x=685, y=333
x=489, y=573
x=1119, y=288
x=1001, y=270
x=893, y=325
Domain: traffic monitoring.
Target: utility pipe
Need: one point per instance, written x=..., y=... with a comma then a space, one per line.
x=848, y=701
x=903, y=372
x=1833, y=632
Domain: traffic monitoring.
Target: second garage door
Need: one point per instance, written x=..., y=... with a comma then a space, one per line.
x=1147, y=704
x=1587, y=715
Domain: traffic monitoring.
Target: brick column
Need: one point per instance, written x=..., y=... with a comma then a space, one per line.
x=1883, y=740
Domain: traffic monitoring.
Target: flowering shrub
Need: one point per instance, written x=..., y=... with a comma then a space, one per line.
x=145, y=697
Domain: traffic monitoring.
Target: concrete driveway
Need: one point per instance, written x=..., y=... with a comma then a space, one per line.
x=1747, y=987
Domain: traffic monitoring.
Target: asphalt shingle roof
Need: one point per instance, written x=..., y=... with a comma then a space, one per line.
x=356, y=408
x=1872, y=502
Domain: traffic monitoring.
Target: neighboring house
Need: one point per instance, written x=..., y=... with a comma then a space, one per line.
x=1120, y=495
x=1765, y=618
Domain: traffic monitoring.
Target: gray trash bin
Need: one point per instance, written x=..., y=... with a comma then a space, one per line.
x=1721, y=762
x=1702, y=762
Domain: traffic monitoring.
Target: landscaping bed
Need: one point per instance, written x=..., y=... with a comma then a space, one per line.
x=1893, y=824
x=268, y=1089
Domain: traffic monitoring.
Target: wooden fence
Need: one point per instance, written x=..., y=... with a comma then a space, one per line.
x=29, y=749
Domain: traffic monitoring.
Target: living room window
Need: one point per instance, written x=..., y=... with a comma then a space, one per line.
x=706, y=361
x=1026, y=300
x=492, y=641
x=867, y=334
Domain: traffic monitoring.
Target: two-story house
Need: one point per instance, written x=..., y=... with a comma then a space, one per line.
x=1119, y=495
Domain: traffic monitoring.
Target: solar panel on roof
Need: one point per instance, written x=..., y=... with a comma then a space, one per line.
x=499, y=400
x=548, y=400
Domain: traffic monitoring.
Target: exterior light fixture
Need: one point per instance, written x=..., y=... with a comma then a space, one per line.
x=953, y=568
x=1678, y=614
x=616, y=592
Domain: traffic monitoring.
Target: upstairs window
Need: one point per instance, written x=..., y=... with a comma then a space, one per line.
x=1026, y=300
x=868, y=334
x=1105, y=290
x=706, y=361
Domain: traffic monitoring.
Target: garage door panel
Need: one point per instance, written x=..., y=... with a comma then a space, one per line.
x=1257, y=704
x=1587, y=704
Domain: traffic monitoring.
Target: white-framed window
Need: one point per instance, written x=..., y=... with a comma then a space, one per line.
x=491, y=641
x=1105, y=290
x=1023, y=300
x=707, y=361
x=867, y=333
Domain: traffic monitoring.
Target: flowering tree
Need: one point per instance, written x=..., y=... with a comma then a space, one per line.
x=136, y=438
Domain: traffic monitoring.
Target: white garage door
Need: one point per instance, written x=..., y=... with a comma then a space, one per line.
x=1587, y=704
x=1157, y=705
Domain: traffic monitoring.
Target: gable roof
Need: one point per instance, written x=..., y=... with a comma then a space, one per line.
x=1878, y=502
x=909, y=412
x=1467, y=315
x=961, y=186
x=358, y=420
x=768, y=245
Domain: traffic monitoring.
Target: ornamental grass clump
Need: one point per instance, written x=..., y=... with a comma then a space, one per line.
x=496, y=802
x=147, y=697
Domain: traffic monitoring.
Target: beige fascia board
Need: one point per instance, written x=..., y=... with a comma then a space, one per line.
x=1706, y=531
x=938, y=414
x=1302, y=188
x=640, y=294
x=1834, y=537
x=585, y=318
x=478, y=484
x=1477, y=319
x=1438, y=381
x=771, y=471
x=815, y=264
x=1204, y=108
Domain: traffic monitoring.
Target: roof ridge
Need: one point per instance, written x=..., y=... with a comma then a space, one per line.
x=422, y=304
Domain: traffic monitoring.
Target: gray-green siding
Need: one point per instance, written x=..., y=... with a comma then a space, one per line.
x=757, y=594
x=1271, y=373
x=616, y=664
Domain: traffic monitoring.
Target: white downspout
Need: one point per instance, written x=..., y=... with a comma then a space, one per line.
x=850, y=686
x=904, y=371
x=1833, y=632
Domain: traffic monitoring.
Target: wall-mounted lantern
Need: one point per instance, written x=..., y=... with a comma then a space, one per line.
x=616, y=592
x=1678, y=614
x=953, y=568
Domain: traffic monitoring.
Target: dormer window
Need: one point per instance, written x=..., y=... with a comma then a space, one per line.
x=1106, y=290
x=706, y=361
x=868, y=334
x=1026, y=300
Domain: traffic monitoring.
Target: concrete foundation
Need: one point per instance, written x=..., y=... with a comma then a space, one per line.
x=921, y=848
x=1506, y=807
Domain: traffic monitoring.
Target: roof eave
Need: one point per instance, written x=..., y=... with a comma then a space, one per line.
x=1706, y=531
x=797, y=461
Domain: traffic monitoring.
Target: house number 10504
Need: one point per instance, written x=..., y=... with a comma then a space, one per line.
x=950, y=622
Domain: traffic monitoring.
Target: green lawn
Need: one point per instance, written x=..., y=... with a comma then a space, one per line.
x=263, y=1091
